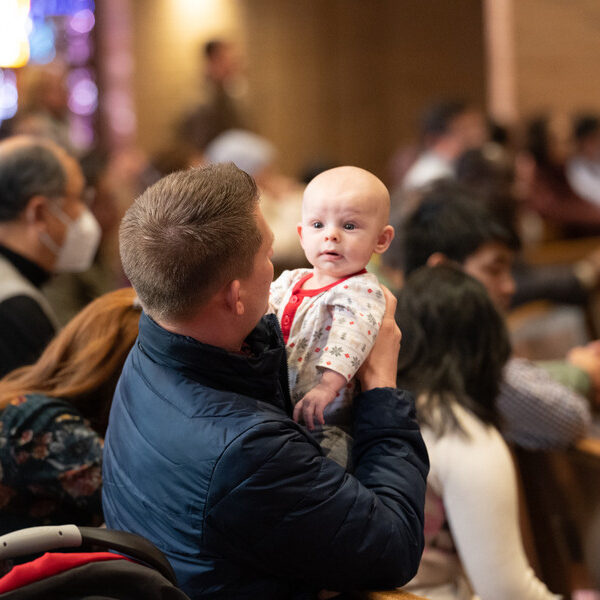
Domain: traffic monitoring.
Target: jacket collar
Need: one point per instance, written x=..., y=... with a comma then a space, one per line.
x=260, y=374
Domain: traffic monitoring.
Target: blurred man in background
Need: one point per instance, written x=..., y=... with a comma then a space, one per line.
x=44, y=227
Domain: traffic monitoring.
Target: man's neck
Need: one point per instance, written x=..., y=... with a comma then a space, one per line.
x=208, y=329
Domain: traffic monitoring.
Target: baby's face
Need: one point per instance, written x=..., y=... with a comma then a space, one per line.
x=340, y=230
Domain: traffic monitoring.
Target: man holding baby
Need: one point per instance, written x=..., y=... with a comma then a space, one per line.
x=202, y=454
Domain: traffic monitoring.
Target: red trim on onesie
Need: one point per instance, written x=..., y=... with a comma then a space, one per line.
x=298, y=294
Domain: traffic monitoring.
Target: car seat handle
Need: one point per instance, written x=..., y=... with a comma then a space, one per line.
x=132, y=545
x=38, y=539
x=34, y=540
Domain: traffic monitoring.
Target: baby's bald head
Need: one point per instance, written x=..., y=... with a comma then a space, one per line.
x=354, y=184
x=345, y=215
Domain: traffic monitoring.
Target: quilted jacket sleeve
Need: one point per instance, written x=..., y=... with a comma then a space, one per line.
x=278, y=505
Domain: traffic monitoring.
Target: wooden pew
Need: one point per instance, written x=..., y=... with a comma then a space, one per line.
x=562, y=492
x=372, y=595
x=393, y=595
x=385, y=595
x=590, y=448
x=560, y=252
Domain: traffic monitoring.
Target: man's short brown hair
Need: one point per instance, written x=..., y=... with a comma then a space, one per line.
x=189, y=234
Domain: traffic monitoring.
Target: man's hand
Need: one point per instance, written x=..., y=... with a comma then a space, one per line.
x=314, y=402
x=379, y=370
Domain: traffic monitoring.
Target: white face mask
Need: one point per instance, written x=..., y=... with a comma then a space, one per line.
x=81, y=242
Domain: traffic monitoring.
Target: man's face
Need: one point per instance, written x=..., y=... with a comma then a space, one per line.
x=225, y=64
x=491, y=264
x=254, y=291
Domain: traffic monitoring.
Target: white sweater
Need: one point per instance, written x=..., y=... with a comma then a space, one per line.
x=475, y=479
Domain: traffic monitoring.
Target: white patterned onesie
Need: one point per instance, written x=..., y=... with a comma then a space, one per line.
x=333, y=327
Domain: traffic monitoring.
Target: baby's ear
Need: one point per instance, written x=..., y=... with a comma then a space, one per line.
x=299, y=230
x=384, y=240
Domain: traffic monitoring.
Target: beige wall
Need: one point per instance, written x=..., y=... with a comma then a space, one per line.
x=543, y=56
x=557, y=50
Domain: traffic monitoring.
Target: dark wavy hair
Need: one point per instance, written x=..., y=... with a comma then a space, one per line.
x=454, y=346
x=451, y=219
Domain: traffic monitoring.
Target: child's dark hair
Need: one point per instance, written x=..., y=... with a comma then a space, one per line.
x=454, y=346
x=449, y=219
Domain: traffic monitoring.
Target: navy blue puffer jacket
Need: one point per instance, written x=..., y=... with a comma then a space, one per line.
x=202, y=458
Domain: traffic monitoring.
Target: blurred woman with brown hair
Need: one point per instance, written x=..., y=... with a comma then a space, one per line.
x=54, y=414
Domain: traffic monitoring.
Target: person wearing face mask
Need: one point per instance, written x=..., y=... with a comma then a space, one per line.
x=68, y=293
x=45, y=228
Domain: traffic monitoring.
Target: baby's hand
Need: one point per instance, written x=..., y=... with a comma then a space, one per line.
x=314, y=402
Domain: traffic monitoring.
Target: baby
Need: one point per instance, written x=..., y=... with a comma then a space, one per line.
x=330, y=314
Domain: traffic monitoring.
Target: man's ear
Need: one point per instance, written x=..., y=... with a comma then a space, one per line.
x=384, y=239
x=437, y=258
x=34, y=211
x=233, y=299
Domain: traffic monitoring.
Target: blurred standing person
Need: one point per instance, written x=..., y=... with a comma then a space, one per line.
x=44, y=227
x=223, y=71
x=219, y=110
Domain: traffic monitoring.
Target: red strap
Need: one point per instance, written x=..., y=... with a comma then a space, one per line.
x=50, y=564
x=289, y=312
x=316, y=291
